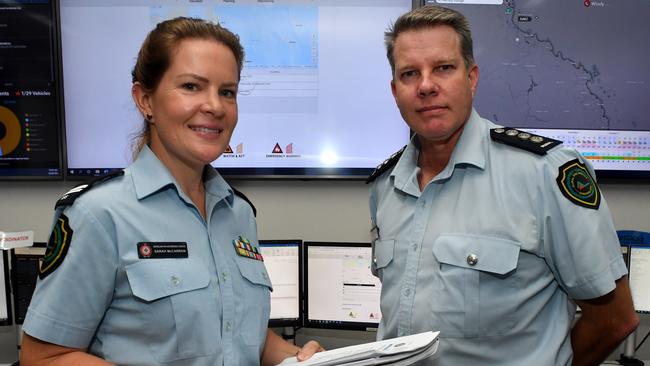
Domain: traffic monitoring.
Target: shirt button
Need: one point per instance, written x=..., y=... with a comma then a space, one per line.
x=175, y=281
x=415, y=247
x=228, y=327
x=472, y=259
x=374, y=260
x=224, y=276
x=407, y=292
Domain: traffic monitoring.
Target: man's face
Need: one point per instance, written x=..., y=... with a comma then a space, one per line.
x=432, y=86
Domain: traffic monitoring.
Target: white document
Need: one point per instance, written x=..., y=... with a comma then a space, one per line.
x=400, y=351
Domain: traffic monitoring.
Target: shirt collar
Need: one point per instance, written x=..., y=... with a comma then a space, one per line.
x=471, y=149
x=150, y=175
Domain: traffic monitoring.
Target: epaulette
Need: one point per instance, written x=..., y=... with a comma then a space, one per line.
x=243, y=196
x=524, y=140
x=387, y=164
x=69, y=197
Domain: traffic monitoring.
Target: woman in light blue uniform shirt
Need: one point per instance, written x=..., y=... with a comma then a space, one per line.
x=158, y=264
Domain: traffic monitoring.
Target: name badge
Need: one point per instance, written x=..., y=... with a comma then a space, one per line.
x=161, y=250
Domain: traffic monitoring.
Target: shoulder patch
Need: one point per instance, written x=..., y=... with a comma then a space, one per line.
x=524, y=140
x=387, y=164
x=70, y=196
x=243, y=196
x=57, y=247
x=577, y=185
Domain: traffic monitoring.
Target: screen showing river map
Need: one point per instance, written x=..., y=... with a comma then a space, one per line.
x=575, y=70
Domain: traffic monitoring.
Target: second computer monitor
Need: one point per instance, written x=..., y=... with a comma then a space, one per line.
x=341, y=292
x=283, y=262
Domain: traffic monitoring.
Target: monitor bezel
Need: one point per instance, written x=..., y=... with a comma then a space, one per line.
x=291, y=322
x=343, y=325
x=7, y=285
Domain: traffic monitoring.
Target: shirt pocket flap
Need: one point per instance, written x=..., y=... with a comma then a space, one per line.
x=483, y=253
x=384, y=250
x=154, y=279
x=254, y=271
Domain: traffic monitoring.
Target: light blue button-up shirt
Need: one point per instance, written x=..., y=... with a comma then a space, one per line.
x=490, y=253
x=210, y=308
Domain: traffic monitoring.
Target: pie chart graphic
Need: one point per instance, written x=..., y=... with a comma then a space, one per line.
x=9, y=131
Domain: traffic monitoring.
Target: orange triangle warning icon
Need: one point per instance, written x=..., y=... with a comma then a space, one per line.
x=228, y=150
x=277, y=149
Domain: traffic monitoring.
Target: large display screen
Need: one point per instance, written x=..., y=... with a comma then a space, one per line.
x=574, y=70
x=314, y=98
x=341, y=291
x=30, y=128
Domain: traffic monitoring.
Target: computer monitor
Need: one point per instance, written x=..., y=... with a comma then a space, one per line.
x=640, y=277
x=638, y=260
x=24, y=273
x=554, y=68
x=284, y=265
x=5, y=290
x=341, y=291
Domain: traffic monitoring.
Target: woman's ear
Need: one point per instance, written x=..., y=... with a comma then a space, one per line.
x=142, y=100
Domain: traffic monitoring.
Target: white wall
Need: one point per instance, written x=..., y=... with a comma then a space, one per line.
x=308, y=210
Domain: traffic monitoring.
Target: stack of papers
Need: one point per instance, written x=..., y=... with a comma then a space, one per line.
x=399, y=351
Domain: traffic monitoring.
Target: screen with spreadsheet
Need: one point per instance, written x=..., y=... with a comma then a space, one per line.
x=341, y=291
x=282, y=259
x=640, y=277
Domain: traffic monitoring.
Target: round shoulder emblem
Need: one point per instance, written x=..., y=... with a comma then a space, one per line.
x=577, y=185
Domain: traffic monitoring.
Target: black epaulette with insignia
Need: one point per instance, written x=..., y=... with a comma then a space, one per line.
x=387, y=164
x=524, y=140
x=69, y=197
x=243, y=196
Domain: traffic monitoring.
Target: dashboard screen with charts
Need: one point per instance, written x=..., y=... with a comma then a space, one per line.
x=30, y=123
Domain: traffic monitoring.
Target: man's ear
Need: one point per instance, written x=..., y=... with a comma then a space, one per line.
x=473, y=78
x=142, y=100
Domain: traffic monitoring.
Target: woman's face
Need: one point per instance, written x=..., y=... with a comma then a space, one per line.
x=194, y=108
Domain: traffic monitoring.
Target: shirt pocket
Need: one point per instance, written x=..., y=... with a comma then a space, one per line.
x=383, y=251
x=476, y=285
x=254, y=293
x=179, y=314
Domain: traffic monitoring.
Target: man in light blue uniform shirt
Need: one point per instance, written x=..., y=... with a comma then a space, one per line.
x=129, y=299
x=489, y=235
